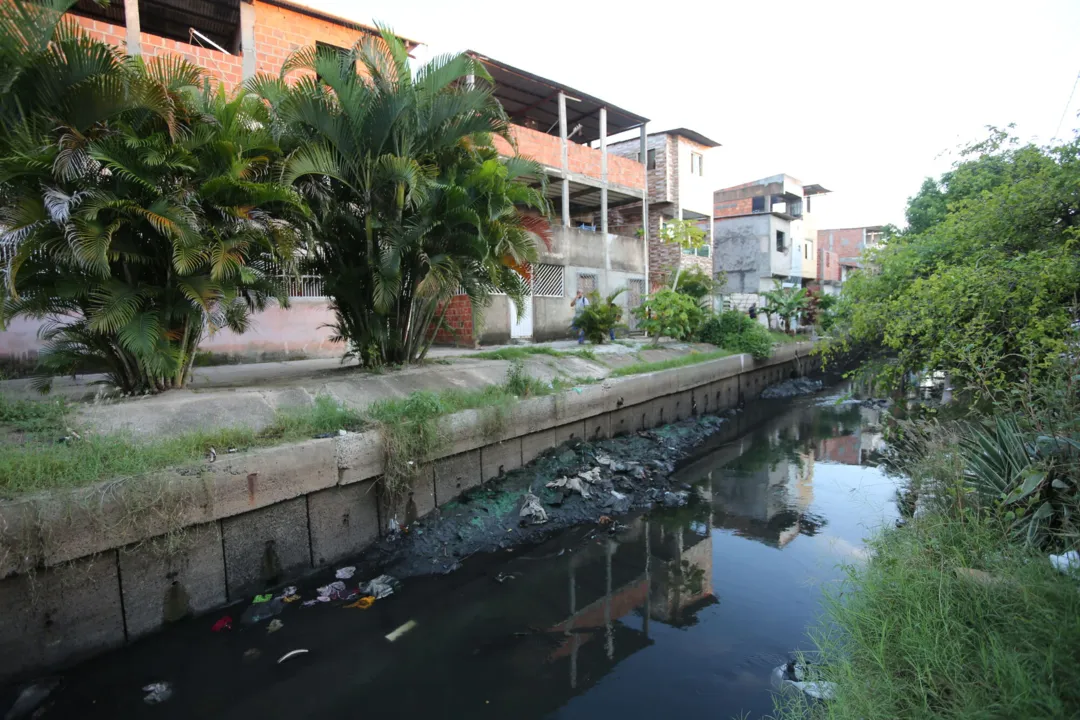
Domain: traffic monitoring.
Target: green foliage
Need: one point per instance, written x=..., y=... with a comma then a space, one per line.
x=599, y=317
x=984, y=281
x=411, y=426
x=735, y=331
x=411, y=199
x=696, y=283
x=41, y=463
x=785, y=303
x=143, y=209
x=33, y=415
x=692, y=358
x=669, y=313
x=946, y=621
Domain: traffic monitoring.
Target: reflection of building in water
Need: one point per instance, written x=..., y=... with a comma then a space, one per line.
x=673, y=561
x=856, y=447
x=765, y=494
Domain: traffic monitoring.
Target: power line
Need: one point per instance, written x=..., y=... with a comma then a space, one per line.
x=1066, y=108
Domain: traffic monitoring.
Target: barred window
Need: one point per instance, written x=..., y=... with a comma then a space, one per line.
x=586, y=282
x=548, y=281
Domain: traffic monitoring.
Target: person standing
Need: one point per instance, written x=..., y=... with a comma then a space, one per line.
x=579, y=303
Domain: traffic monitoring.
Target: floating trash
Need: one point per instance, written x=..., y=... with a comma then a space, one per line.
x=345, y=573
x=291, y=654
x=363, y=603
x=223, y=624
x=157, y=693
x=274, y=626
x=380, y=587
x=401, y=631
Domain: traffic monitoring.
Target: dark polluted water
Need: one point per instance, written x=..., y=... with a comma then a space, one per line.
x=684, y=611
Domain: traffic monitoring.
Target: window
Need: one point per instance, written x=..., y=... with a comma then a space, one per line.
x=548, y=281
x=586, y=282
x=206, y=24
x=780, y=246
x=697, y=164
x=702, y=251
x=806, y=251
x=807, y=200
x=758, y=204
x=652, y=159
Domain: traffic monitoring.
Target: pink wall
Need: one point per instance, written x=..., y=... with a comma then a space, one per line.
x=276, y=333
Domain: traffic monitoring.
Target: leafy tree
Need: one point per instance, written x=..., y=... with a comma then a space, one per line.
x=411, y=200
x=600, y=317
x=669, y=313
x=143, y=211
x=785, y=303
x=986, y=291
x=698, y=284
x=687, y=235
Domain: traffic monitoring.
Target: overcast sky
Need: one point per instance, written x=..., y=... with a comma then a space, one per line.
x=865, y=98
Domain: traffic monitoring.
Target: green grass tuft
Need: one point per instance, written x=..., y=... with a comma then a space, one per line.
x=40, y=462
x=676, y=362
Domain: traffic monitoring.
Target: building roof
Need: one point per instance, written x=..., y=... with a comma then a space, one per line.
x=690, y=135
x=527, y=96
x=336, y=19
x=814, y=189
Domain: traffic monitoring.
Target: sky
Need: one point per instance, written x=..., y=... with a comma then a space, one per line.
x=865, y=98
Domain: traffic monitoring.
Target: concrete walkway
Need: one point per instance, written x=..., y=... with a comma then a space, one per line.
x=234, y=395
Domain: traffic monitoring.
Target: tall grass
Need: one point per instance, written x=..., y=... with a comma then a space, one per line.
x=949, y=619
x=526, y=351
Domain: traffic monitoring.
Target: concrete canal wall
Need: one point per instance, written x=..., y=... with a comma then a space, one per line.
x=95, y=568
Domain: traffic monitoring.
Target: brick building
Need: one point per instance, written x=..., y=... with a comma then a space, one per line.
x=232, y=39
x=679, y=172
x=848, y=245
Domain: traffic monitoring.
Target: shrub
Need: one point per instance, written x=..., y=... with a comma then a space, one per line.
x=734, y=331
x=599, y=317
x=669, y=313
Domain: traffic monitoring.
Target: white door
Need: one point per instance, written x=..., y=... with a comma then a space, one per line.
x=521, y=327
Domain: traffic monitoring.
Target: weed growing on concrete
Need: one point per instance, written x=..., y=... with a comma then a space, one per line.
x=39, y=462
x=517, y=353
x=411, y=428
x=675, y=362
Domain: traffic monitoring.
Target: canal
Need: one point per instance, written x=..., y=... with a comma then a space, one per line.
x=682, y=611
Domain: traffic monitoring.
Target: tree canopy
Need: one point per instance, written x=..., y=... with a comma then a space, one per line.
x=985, y=279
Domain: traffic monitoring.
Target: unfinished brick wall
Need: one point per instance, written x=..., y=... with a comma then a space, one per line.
x=845, y=242
x=278, y=33
x=220, y=66
x=546, y=149
x=663, y=179
x=457, y=328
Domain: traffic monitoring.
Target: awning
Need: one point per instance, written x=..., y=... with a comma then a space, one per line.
x=530, y=97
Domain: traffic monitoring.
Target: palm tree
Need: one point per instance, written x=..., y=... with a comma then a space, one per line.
x=412, y=202
x=142, y=218
x=786, y=303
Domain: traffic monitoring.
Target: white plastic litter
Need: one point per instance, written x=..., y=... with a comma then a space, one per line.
x=815, y=689
x=571, y=483
x=334, y=591
x=532, y=510
x=157, y=693
x=380, y=587
x=288, y=592
x=401, y=631
x=345, y=573
x=1066, y=562
x=290, y=654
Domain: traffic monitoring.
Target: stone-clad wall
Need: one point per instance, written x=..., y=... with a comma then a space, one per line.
x=101, y=566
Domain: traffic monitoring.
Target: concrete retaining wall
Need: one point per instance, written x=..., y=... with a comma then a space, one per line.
x=104, y=565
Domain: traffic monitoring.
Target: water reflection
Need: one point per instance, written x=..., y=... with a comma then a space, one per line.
x=684, y=611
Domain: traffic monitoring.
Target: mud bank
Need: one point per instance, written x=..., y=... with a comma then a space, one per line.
x=631, y=473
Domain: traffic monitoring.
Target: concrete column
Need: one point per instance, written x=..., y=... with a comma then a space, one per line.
x=565, y=147
x=603, y=172
x=645, y=203
x=247, y=38
x=131, y=20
